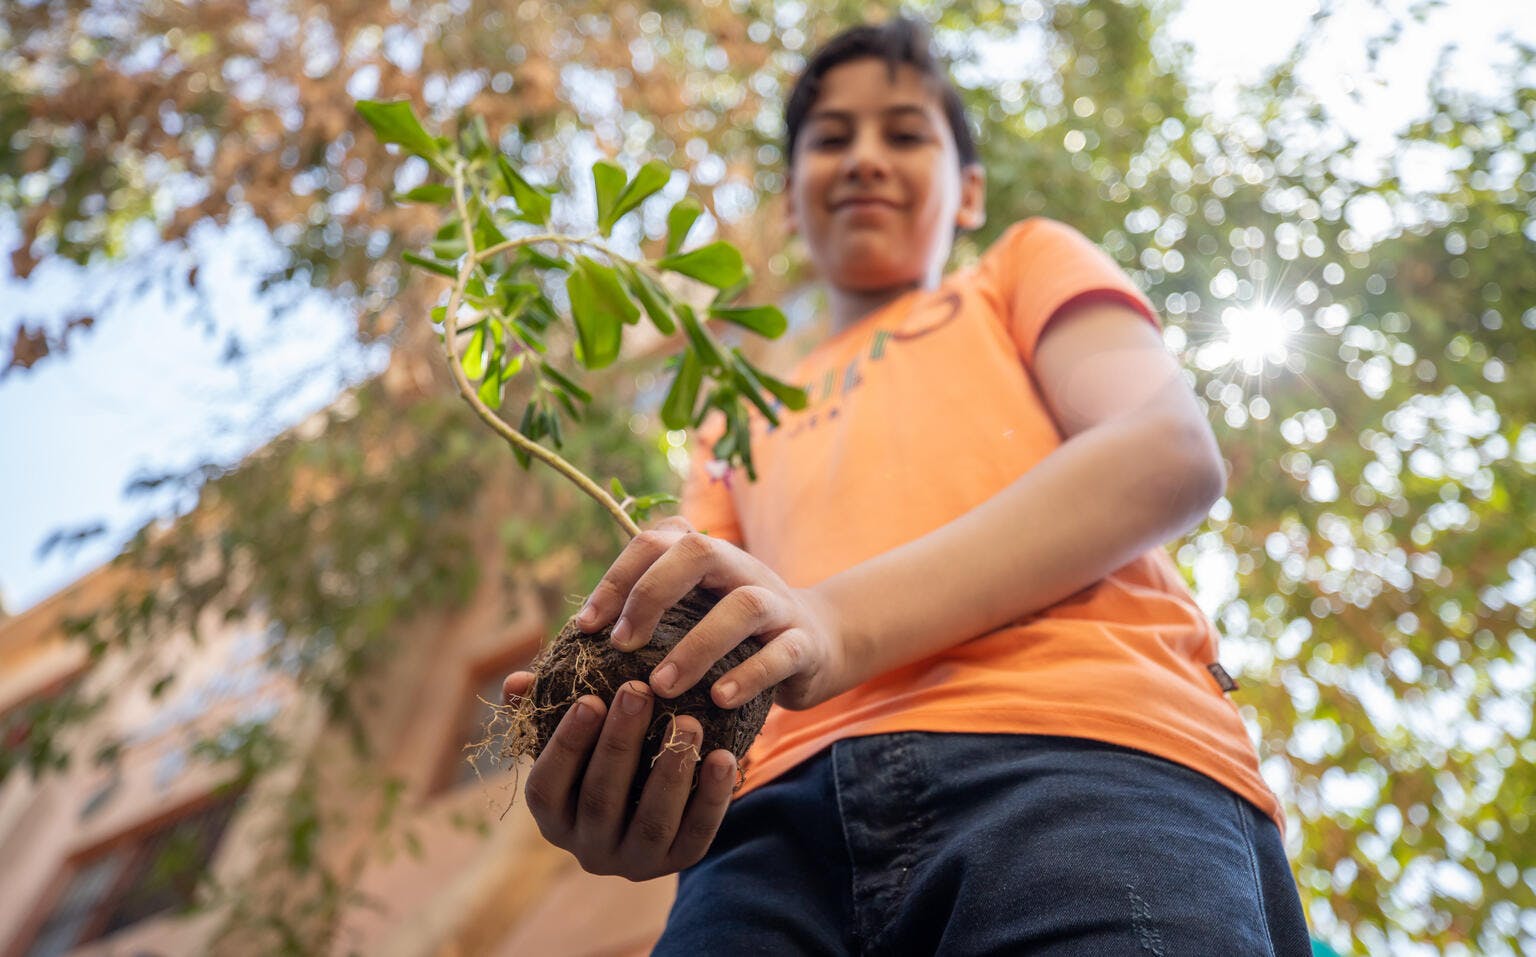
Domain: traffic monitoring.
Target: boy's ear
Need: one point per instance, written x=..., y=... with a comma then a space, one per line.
x=973, y=197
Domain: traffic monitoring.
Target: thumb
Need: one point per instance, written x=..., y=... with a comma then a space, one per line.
x=515, y=686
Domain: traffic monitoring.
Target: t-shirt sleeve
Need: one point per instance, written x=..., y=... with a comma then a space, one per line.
x=1040, y=265
x=706, y=499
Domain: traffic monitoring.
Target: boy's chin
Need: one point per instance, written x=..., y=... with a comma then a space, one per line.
x=868, y=276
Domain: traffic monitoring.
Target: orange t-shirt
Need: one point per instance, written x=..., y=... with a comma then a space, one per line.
x=917, y=414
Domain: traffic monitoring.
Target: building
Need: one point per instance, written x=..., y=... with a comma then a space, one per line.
x=461, y=870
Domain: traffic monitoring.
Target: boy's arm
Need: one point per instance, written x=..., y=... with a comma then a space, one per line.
x=1138, y=467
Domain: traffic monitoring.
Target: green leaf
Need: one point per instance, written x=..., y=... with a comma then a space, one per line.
x=568, y=405
x=703, y=343
x=766, y=321
x=793, y=397
x=490, y=389
x=554, y=429
x=609, y=179
x=431, y=265
x=718, y=264
x=729, y=294
x=648, y=181
x=747, y=382
x=449, y=241
x=514, y=294
x=473, y=359
x=542, y=260
x=541, y=313
x=600, y=308
x=618, y=489
x=641, y=507
x=560, y=379
x=395, y=122
x=429, y=193
x=653, y=299
x=486, y=233
x=683, y=395
x=529, y=335
x=680, y=220
x=525, y=428
x=533, y=203
x=475, y=140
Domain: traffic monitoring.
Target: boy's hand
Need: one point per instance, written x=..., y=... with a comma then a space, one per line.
x=802, y=653
x=578, y=789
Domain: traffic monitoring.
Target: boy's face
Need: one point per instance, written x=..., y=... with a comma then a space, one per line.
x=875, y=186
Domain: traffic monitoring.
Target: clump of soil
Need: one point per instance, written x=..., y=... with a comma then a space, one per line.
x=577, y=663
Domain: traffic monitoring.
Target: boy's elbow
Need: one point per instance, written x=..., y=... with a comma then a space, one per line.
x=1192, y=475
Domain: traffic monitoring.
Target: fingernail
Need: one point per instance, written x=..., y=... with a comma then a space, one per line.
x=720, y=771
x=631, y=700
x=585, y=617
x=662, y=678
x=620, y=632
x=585, y=715
x=727, y=692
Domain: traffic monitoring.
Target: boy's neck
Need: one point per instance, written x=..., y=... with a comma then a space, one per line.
x=851, y=305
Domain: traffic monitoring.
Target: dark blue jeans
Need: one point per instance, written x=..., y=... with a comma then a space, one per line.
x=919, y=843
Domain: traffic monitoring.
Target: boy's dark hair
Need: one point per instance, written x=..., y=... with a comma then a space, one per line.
x=896, y=42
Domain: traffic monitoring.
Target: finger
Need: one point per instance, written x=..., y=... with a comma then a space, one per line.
x=693, y=559
x=614, y=587
x=551, y=789
x=604, y=799
x=782, y=657
x=515, y=686
x=707, y=807
x=673, y=523
x=748, y=610
x=649, y=837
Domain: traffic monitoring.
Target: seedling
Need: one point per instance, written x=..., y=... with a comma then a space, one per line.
x=504, y=259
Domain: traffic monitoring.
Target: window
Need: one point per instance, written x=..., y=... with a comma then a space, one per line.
x=148, y=874
x=460, y=766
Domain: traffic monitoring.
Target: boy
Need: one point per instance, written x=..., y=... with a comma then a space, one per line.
x=1000, y=725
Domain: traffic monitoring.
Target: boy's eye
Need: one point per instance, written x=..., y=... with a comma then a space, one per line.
x=837, y=140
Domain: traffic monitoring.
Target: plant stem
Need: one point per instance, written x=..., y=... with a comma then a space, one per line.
x=473, y=259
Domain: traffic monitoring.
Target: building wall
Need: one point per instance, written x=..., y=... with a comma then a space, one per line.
x=473, y=877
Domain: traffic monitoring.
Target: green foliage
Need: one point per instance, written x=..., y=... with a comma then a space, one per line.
x=604, y=296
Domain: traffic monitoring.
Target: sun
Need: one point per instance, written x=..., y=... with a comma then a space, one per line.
x=1255, y=336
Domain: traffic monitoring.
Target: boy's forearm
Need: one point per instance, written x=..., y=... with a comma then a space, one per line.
x=1096, y=503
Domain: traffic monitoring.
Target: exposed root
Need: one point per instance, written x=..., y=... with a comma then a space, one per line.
x=674, y=742
x=575, y=664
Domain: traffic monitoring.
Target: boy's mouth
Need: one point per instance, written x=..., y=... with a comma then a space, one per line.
x=863, y=202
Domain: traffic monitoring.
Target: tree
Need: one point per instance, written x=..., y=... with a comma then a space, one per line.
x=1374, y=578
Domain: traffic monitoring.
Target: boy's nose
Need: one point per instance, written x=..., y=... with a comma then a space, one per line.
x=864, y=166
x=865, y=160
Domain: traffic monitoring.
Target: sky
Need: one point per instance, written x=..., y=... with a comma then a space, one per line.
x=144, y=391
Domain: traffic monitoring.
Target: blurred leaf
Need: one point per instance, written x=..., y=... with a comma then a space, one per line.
x=651, y=298
x=431, y=265
x=648, y=181
x=718, y=264
x=435, y=193
x=533, y=204
x=766, y=321
x=600, y=309
x=395, y=122
x=682, y=395
x=685, y=212
x=609, y=179
x=564, y=382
